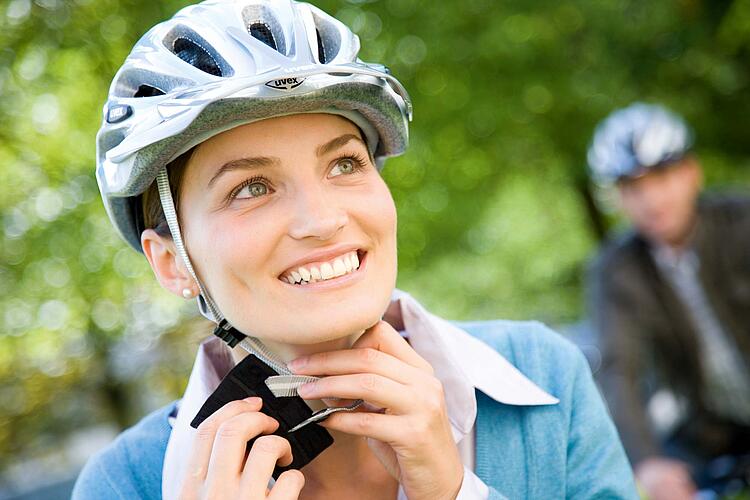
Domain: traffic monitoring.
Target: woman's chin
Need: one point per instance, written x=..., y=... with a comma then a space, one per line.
x=310, y=323
x=324, y=332
x=309, y=341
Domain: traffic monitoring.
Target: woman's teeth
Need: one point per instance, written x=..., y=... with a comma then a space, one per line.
x=332, y=269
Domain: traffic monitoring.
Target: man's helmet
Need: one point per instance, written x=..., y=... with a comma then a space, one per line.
x=635, y=139
x=223, y=63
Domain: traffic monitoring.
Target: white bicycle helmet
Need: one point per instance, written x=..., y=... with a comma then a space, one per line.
x=224, y=63
x=635, y=139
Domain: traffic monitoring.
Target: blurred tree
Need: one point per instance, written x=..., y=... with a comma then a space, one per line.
x=496, y=214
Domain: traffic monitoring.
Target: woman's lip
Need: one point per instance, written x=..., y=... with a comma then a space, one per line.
x=345, y=279
x=322, y=256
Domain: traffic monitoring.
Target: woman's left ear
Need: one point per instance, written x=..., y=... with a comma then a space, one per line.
x=168, y=267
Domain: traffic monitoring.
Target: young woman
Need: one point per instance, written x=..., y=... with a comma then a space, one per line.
x=240, y=152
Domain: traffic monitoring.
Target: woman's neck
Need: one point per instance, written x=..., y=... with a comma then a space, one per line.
x=288, y=352
x=348, y=465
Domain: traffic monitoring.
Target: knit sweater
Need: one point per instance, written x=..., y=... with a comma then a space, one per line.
x=567, y=450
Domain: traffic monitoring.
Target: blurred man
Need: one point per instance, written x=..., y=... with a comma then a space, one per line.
x=671, y=302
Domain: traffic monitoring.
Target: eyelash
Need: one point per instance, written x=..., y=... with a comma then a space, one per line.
x=358, y=160
x=247, y=182
x=359, y=164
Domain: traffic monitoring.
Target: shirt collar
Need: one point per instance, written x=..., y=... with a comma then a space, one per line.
x=461, y=362
x=671, y=260
x=461, y=356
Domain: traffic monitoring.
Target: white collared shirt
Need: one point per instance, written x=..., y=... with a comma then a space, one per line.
x=461, y=362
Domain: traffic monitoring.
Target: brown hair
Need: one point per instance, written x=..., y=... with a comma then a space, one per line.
x=153, y=214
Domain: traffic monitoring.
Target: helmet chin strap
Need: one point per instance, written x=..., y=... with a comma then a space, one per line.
x=206, y=304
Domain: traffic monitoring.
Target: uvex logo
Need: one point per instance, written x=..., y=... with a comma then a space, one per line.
x=285, y=83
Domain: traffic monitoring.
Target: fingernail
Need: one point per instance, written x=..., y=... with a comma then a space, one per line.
x=254, y=400
x=297, y=364
x=305, y=389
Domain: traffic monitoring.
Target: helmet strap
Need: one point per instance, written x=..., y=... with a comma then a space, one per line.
x=170, y=213
x=224, y=329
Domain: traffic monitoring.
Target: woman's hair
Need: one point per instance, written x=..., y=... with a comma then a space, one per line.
x=153, y=214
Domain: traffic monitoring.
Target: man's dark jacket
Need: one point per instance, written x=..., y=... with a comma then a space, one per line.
x=646, y=335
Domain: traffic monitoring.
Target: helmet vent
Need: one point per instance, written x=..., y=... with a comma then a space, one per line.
x=189, y=46
x=195, y=55
x=321, y=48
x=329, y=39
x=136, y=82
x=262, y=32
x=148, y=91
x=262, y=24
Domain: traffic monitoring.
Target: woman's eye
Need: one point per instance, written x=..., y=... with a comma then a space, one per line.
x=252, y=190
x=344, y=166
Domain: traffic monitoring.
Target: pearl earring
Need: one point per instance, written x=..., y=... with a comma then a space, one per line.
x=187, y=293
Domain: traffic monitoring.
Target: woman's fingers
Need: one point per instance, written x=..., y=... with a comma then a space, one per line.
x=206, y=434
x=265, y=453
x=221, y=467
x=383, y=337
x=288, y=486
x=377, y=389
x=390, y=429
x=363, y=360
x=228, y=453
x=379, y=350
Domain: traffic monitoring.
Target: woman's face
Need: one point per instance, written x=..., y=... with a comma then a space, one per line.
x=263, y=200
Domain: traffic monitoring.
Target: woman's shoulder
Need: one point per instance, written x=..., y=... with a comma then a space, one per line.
x=130, y=467
x=572, y=445
x=521, y=340
x=544, y=356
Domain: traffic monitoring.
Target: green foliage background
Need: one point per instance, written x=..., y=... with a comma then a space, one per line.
x=496, y=218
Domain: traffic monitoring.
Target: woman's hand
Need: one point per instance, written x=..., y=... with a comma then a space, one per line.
x=412, y=436
x=221, y=468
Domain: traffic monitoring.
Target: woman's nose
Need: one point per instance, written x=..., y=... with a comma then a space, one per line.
x=316, y=215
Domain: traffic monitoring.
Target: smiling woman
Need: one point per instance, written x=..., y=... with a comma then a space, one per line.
x=240, y=152
x=260, y=211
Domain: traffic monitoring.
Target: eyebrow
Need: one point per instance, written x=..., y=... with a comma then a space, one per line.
x=256, y=162
x=244, y=164
x=336, y=143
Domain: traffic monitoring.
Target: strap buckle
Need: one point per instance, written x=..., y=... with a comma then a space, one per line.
x=228, y=333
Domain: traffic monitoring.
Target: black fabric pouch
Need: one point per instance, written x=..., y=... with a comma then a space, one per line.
x=247, y=379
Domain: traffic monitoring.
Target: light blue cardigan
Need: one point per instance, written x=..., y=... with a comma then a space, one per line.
x=568, y=450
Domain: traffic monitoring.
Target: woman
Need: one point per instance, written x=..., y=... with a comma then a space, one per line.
x=271, y=211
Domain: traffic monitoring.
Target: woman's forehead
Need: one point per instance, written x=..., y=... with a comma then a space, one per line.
x=272, y=141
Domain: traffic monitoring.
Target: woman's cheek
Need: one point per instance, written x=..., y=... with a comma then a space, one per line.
x=227, y=257
x=390, y=218
x=383, y=200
